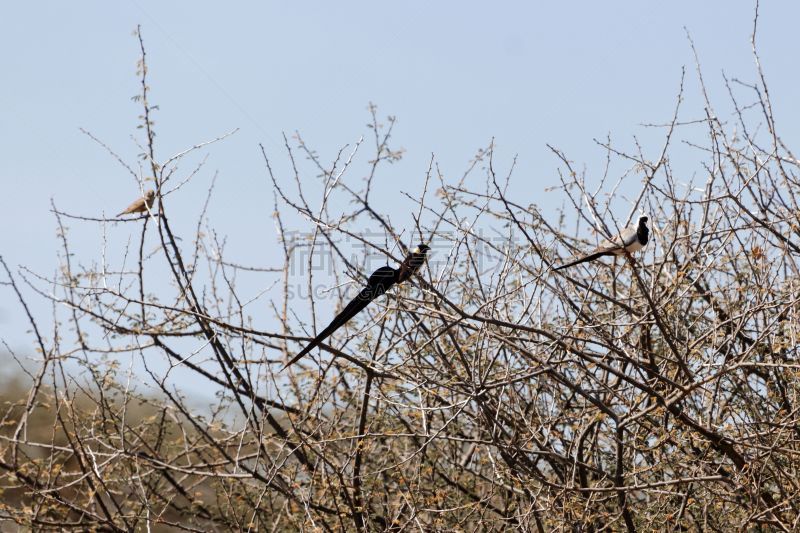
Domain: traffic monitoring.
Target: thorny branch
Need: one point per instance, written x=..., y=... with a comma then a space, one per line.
x=489, y=393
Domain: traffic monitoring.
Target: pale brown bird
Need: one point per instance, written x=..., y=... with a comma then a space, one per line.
x=142, y=204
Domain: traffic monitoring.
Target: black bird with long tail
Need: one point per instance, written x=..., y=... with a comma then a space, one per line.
x=379, y=282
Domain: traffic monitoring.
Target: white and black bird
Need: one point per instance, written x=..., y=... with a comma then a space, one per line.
x=631, y=239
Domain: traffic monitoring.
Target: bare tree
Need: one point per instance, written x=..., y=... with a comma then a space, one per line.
x=490, y=392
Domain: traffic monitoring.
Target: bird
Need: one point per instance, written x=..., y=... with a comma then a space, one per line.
x=631, y=239
x=142, y=204
x=379, y=282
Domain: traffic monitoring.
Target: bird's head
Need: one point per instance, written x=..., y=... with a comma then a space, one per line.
x=643, y=221
x=421, y=249
x=150, y=194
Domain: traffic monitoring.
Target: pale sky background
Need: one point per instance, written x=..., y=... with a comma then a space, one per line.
x=455, y=74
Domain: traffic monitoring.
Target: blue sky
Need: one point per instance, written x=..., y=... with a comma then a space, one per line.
x=454, y=74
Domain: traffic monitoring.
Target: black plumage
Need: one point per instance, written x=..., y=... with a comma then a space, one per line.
x=379, y=282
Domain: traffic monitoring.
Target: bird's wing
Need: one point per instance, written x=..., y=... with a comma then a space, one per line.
x=134, y=207
x=355, y=306
x=625, y=238
x=629, y=235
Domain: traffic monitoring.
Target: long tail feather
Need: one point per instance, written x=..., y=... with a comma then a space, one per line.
x=355, y=306
x=589, y=257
